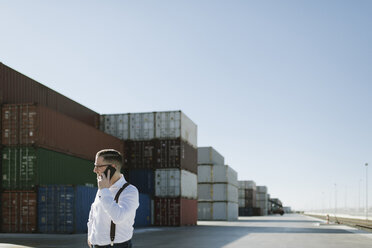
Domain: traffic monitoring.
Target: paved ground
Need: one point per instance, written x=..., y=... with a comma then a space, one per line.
x=289, y=231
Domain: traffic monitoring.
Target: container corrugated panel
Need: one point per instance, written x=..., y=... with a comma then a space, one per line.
x=175, y=211
x=160, y=154
x=19, y=209
x=116, y=125
x=247, y=185
x=142, y=126
x=261, y=189
x=140, y=154
x=143, y=180
x=26, y=167
x=245, y=211
x=217, y=192
x=217, y=211
x=176, y=153
x=175, y=183
x=18, y=88
x=217, y=174
x=28, y=124
x=261, y=196
x=208, y=155
x=143, y=214
x=56, y=208
x=175, y=124
x=84, y=197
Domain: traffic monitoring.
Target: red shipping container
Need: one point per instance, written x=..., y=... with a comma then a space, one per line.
x=19, y=211
x=30, y=124
x=18, y=88
x=175, y=211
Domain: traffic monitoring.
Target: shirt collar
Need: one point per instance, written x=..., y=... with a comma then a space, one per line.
x=119, y=183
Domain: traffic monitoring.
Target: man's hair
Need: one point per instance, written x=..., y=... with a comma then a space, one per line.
x=111, y=156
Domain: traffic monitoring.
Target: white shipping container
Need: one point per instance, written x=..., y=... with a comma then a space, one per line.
x=261, y=189
x=217, y=192
x=241, y=193
x=241, y=203
x=217, y=174
x=175, y=183
x=261, y=197
x=175, y=124
x=217, y=211
x=247, y=184
x=116, y=125
x=142, y=126
x=208, y=155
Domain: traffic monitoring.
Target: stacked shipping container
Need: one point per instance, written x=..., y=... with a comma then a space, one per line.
x=161, y=158
x=48, y=141
x=247, y=197
x=262, y=200
x=217, y=187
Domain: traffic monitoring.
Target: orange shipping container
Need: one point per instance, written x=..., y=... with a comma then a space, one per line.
x=19, y=211
x=18, y=88
x=30, y=124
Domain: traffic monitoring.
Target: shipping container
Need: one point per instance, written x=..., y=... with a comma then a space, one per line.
x=261, y=189
x=176, y=153
x=217, y=192
x=56, y=207
x=84, y=197
x=175, y=183
x=261, y=196
x=208, y=155
x=29, y=124
x=175, y=211
x=143, y=214
x=247, y=185
x=217, y=174
x=140, y=154
x=174, y=125
x=25, y=167
x=18, y=88
x=151, y=125
x=19, y=211
x=143, y=179
x=160, y=154
x=217, y=211
x=116, y=125
x=245, y=211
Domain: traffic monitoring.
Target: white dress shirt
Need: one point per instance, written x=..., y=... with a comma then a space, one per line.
x=104, y=209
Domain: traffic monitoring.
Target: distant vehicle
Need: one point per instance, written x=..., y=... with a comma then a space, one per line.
x=276, y=206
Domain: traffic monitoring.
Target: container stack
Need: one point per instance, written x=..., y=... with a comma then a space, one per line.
x=161, y=158
x=217, y=187
x=47, y=154
x=247, y=197
x=261, y=201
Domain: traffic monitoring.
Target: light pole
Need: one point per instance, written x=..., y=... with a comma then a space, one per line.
x=366, y=164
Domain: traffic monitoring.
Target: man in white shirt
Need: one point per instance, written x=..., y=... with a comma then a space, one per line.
x=111, y=222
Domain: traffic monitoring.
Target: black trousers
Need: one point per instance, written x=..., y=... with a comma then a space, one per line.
x=126, y=244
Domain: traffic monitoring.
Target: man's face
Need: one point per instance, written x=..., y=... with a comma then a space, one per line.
x=100, y=166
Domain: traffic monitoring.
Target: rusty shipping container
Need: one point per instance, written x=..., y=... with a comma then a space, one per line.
x=161, y=154
x=18, y=88
x=175, y=211
x=19, y=211
x=30, y=124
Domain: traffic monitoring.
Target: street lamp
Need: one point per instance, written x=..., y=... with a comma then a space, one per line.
x=366, y=164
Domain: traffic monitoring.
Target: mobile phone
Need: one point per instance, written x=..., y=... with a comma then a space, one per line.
x=111, y=170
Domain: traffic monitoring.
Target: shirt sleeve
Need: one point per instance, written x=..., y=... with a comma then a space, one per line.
x=126, y=206
x=89, y=224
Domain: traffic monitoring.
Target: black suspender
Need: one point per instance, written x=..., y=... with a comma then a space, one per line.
x=112, y=229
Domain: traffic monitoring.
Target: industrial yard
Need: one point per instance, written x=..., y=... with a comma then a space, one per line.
x=289, y=231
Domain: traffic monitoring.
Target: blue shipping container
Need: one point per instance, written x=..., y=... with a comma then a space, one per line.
x=56, y=209
x=84, y=197
x=143, y=214
x=143, y=179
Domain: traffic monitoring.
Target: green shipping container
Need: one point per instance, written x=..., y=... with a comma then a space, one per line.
x=25, y=167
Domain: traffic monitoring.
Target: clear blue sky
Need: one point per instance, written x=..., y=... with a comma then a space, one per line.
x=282, y=89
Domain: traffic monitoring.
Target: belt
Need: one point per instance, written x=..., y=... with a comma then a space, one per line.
x=126, y=244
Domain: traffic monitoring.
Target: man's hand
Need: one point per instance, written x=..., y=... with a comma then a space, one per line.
x=103, y=181
x=89, y=244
